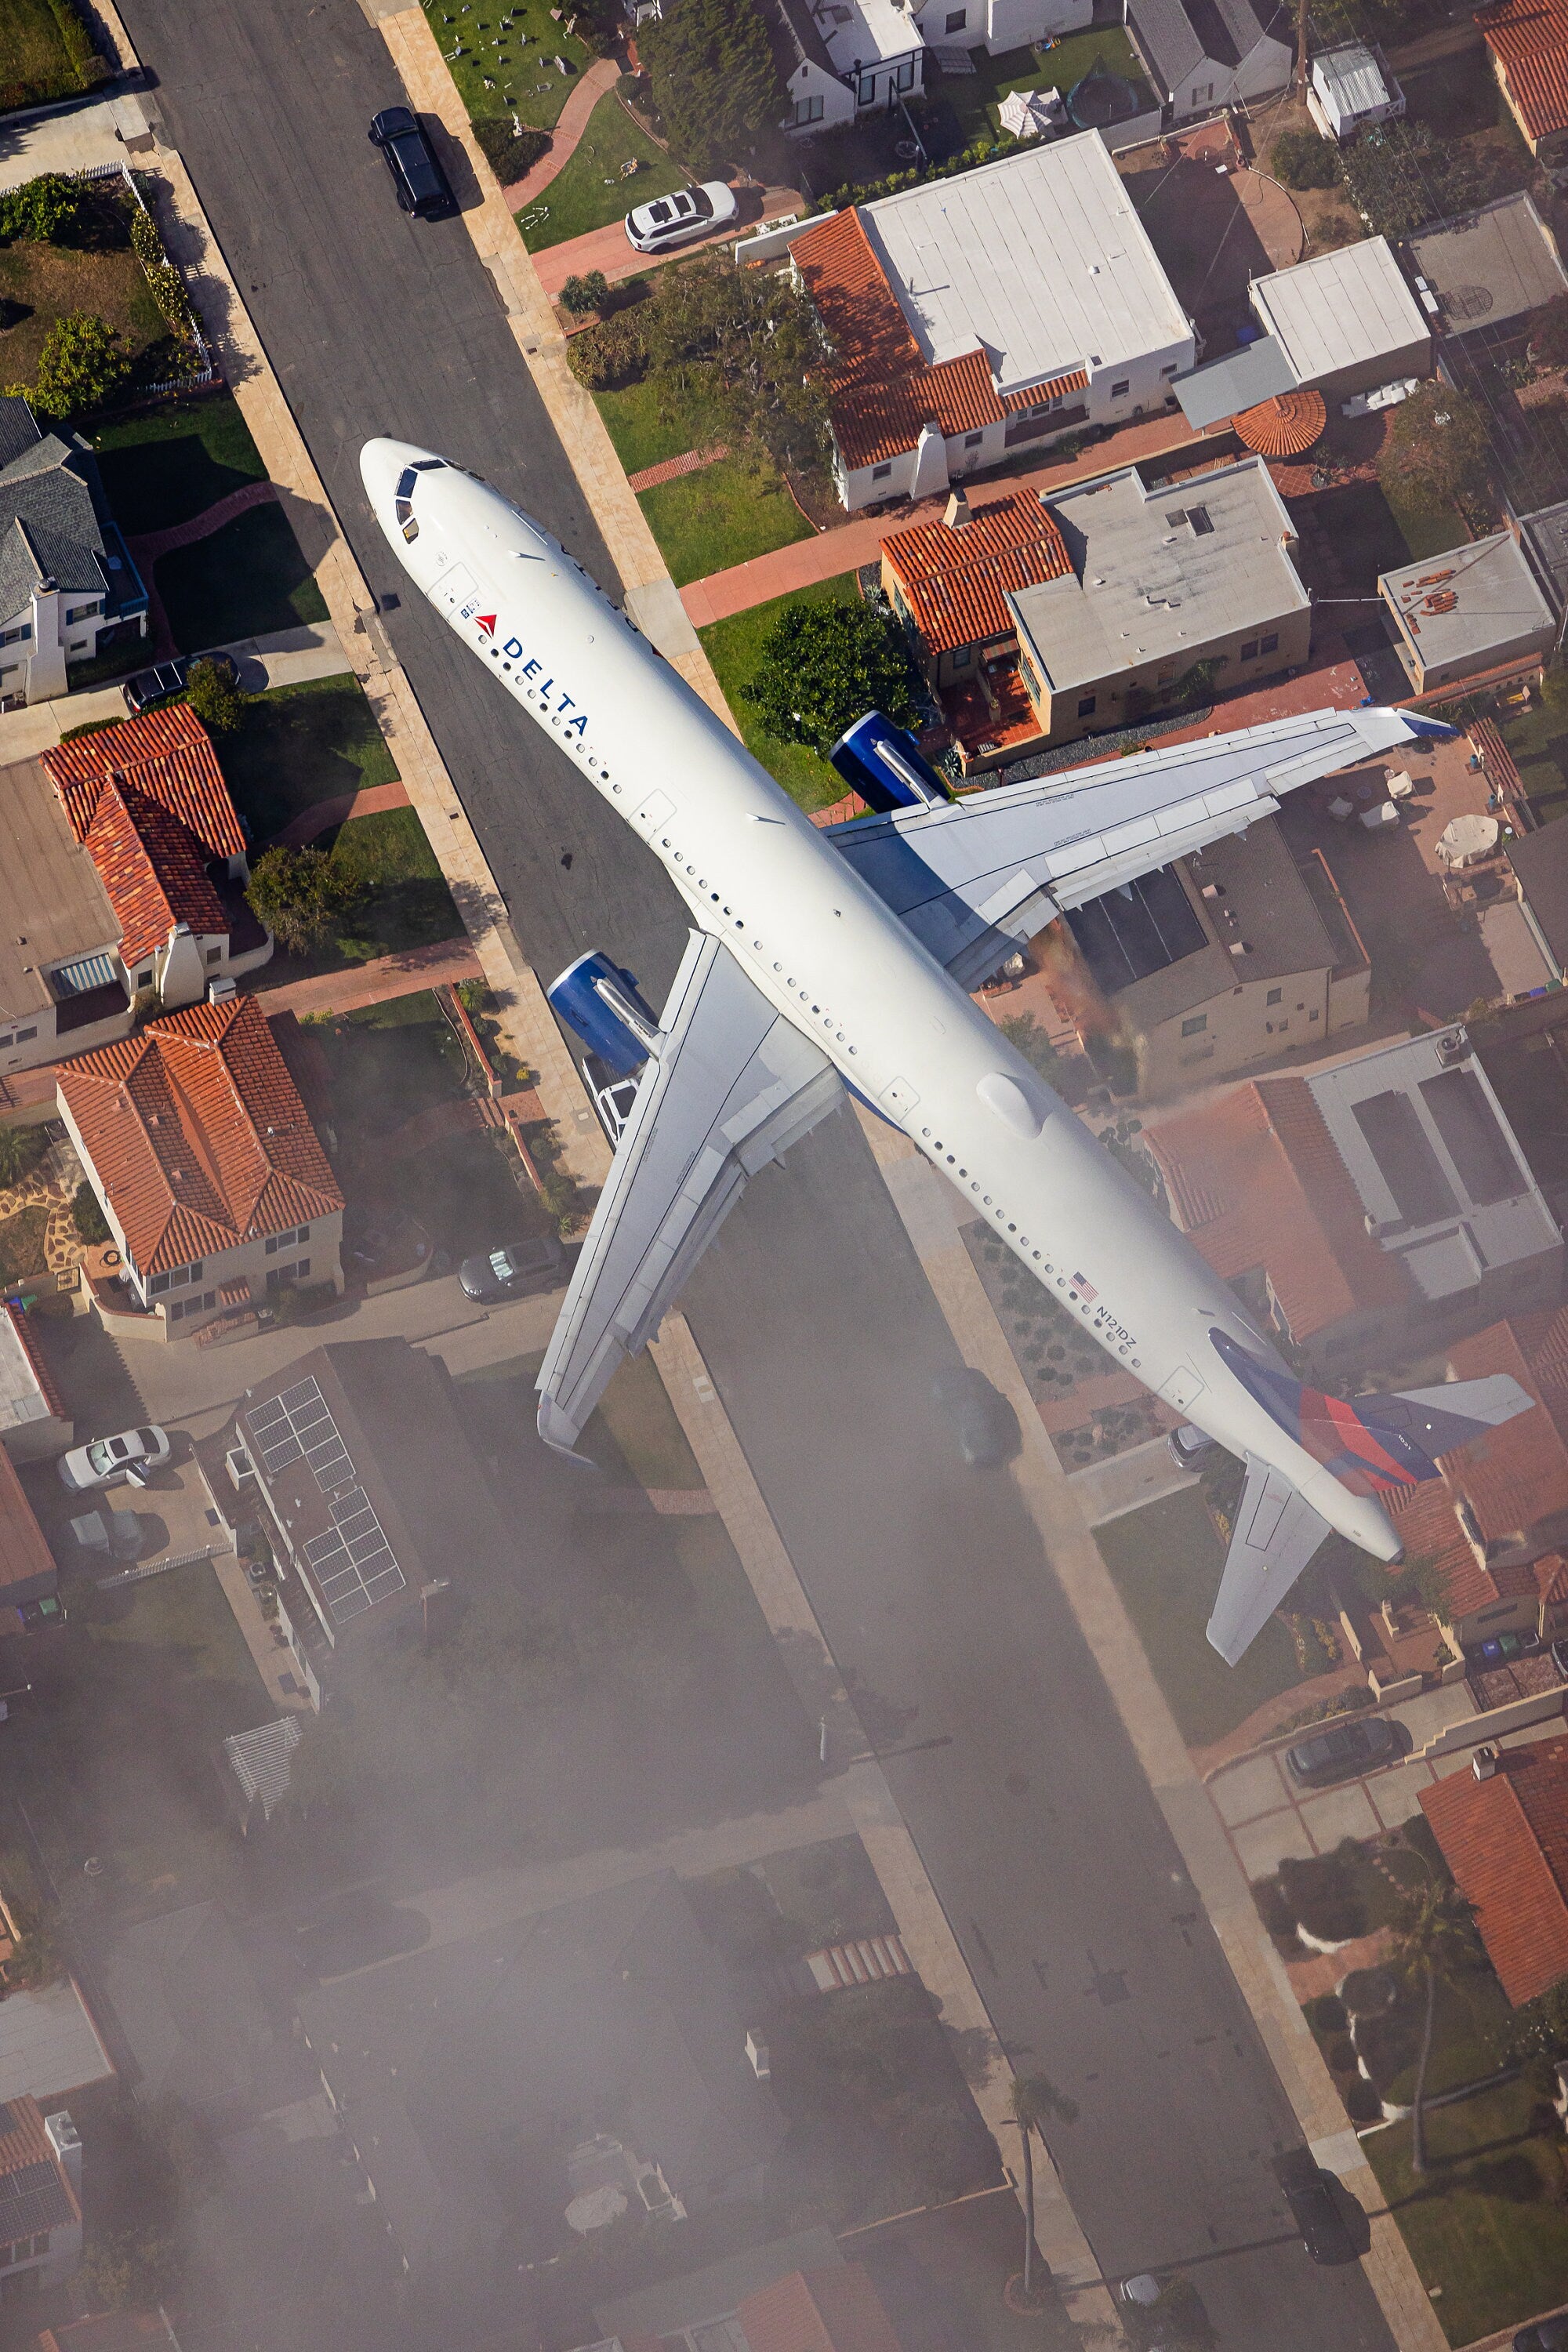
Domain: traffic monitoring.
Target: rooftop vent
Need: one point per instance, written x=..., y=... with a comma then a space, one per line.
x=1484, y=1763
x=1452, y=1047
x=1240, y=947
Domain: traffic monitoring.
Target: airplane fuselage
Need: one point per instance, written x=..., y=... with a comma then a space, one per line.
x=824, y=950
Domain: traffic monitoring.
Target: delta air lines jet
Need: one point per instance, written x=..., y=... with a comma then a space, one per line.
x=827, y=961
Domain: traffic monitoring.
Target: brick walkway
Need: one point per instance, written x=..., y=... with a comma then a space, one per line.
x=858, y=539
x=672, y=469
x=440, y=966
x=147, y=550
x=573, y=120
x=311, y=823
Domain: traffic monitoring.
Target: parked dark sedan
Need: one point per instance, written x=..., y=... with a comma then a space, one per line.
x=1343, y=1752
x=167, y=677
x=423, y=187
x=1544, y=2334
x=534, y=1265
x=1315, y=2210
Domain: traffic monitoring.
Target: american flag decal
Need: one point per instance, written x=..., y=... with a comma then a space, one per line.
x=1081, y=1283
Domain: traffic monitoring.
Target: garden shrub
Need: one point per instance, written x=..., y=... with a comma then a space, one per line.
x=1323, y=1897
x=588, y=292
x=510, y=154
x=1326, y=2013
x=1363, y=2101
x=44, y=210
x=1340, y=2052
x=79, y=367
x=1301, y=160
x=87, y=1216
x=611, y=356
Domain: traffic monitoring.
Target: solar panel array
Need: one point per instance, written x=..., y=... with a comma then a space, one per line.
x=352, y=1562
x=300, y=1423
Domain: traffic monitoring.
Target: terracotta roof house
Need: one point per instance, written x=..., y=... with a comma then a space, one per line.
x=989, y=312
x=166, y=756
x=33, y=1418
x=947, y=579
x=1371, y=1211
x=1528, y=40
x=41, y=2199
x=67, y=586
x=835, y=2310
x=1505, y=1838
x=209, y=1172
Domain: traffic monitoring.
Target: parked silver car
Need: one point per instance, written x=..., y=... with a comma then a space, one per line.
x=133, y=1455
x=670, y=221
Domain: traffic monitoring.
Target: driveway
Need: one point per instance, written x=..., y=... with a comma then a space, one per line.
x=607, y=248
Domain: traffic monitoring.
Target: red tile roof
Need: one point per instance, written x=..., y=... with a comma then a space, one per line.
x=859, y=311
x=873, y=422
x=1506, y=1841
x=1284, y=426
x=1528, y=40
x=26, y=2142
x=154, y=870
x=167, y=756
x=1034, y=396
x=1256, y=1179
x=40, y=1369
x=197, y=1135
x=1429, y=1531
x=1515, y=1478
x=953, y=581
x=835, y=2310
x=24, y=1556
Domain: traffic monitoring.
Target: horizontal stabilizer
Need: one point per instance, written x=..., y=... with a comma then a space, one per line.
x=1460, y=1410
x=1276, y=1535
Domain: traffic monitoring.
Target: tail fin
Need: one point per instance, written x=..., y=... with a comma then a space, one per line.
x=1377, y=1444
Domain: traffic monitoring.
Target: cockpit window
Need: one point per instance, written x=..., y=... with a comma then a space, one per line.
x=406, y=482
x=429, y=464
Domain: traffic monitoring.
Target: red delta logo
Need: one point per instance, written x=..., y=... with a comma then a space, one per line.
x=487, y=621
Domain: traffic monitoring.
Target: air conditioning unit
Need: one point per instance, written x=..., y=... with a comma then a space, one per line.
x=1453, y=1048
x=221, y=989
x=1240, y=948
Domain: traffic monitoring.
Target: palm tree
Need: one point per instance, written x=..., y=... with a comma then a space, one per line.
x=1434, y=1942
x=1035, y=2101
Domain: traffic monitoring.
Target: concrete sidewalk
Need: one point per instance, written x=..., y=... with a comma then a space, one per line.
x=858, y=539
x=89, y=135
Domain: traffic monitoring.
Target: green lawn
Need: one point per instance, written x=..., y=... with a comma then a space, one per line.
x=1537, y=740
x=651, y=421
x=726, y=514
x=591, y=192
x=1488, y=2224
x=522, y=69
x=406, y=902
x=43, y=282
x=975, y=100
x=246, y=581
x=1428, y=531
x=1166, y=1562
x=34, y=66
x=187, y=1612
x=301, y=744
x=21, y=1242
x=173, y=463
x=735, y=649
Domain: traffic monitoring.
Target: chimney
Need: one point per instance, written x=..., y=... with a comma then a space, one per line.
x=65, y=2141
x=1484, y=1763
x=957, y=517
x=757, y=2052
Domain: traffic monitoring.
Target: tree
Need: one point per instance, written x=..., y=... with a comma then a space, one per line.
x=87, y=1216
x=21, y=1148
x=132, y=2270
x=1437, y=450
x=1434, y=1942
x=1035, y=2101
x=710, y=66
x=216, y=696
x=299, y=895
x=79, y=367
x=823, y=666
x=1301, y=160
x=591, y=291
x=45, y=210
x=750, y=348
x=1026, y=1036
x=1405, y=174
x=1549, y=338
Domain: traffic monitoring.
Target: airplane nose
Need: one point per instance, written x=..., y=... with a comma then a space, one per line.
x=380, y=464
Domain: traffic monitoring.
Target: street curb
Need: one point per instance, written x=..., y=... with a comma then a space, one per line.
x=916, y=1907
x=929, y=1212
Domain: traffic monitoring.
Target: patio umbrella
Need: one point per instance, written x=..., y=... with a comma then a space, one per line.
x=1284, y=426
x=1030, y=113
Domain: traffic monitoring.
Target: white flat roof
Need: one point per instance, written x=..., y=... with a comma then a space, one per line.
x=48, y=2044
x=1041, y=260
x=862, y=32
x=1341, y=310
x=21, y=1398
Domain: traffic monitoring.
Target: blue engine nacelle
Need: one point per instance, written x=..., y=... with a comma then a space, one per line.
x=601, y=1002
x=887, y=767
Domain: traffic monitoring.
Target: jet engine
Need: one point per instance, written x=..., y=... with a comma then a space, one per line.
x=601, y=1002
x=887, y=767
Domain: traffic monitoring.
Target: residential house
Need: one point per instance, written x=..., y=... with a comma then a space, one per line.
x=948, y=580
x=1160, y=579
x=370, y=1489
x=998, y=26
x=1487, y=268
x=1206, y=54
x=194, y=2019
x=1476, y=612
x=40, y=2199
x=1528, y=41
x=50, y=2050
x=67, y=586
x=62, y=986
x=1223, y=960
x=1503, y=1831
x=832, y=2307
x=28, y=1570
x=1540, y=863
x=841, y=60
x=1343, y=324
x=196, y=1142
x=566, y=2065
x=1350, y=88
x=714, y=2294
x=973, y=317
x=1369, y=1211
x=34, y=1423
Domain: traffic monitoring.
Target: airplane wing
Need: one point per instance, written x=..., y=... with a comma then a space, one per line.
x=732, y=1086
x=974, y=878
x=1276, y=1535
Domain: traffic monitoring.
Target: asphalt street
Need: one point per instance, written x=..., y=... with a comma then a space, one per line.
x=1039, y=1830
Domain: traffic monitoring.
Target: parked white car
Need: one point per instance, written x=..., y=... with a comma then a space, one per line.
x=133, y=1455
x=669, y=221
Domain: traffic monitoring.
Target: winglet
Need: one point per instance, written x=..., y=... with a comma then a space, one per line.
x=561, y=1434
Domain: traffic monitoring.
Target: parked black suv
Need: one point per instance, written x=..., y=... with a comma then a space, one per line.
x=423, y=187
x=536, y=1264
x=1343, y=1752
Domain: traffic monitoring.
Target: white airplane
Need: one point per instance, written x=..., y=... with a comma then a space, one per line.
x=830, y=959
